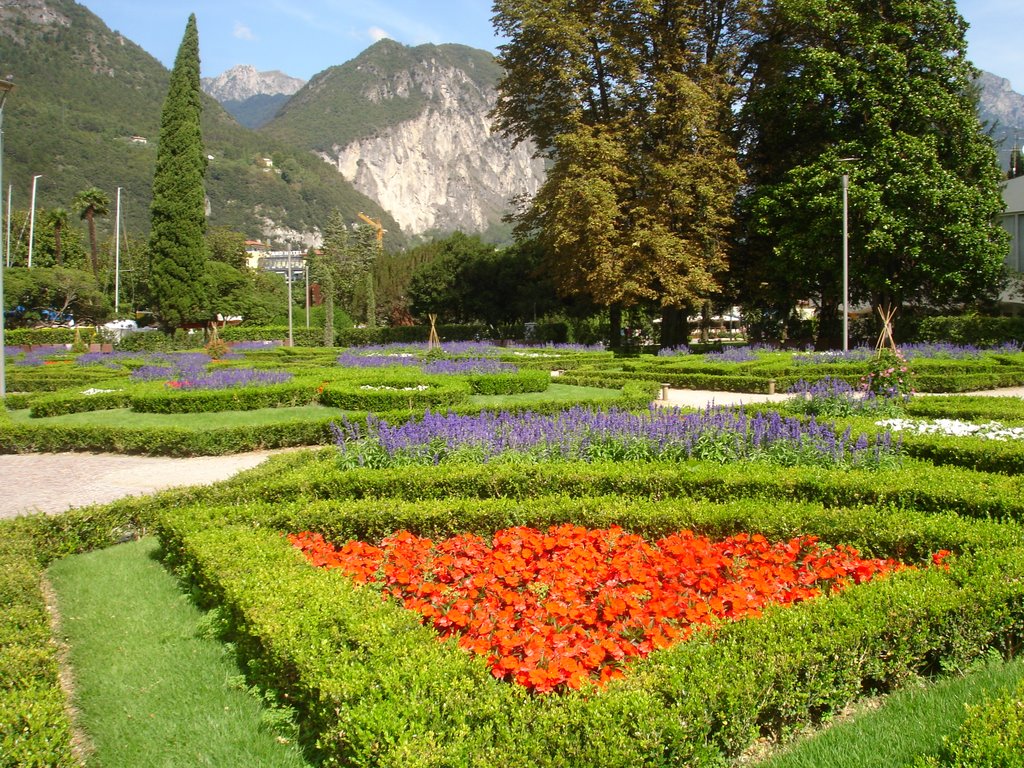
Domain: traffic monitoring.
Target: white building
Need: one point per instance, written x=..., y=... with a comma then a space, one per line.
x=1012, y=299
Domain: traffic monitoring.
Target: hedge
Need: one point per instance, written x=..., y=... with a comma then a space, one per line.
x=916, y=485
x=972, y=329
x=374, y=686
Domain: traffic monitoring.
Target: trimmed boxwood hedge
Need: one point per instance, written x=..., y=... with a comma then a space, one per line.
x=375, y=687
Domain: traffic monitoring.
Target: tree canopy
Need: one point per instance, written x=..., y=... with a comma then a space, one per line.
x=631, y=104
x=178, y=211
x=883, y=93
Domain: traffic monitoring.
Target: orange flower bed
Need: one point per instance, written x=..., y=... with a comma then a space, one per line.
x=571, y=605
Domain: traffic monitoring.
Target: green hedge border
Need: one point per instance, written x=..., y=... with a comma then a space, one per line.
x=376, y=688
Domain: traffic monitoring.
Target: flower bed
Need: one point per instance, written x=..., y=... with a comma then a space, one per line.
x=572, y=605
x=718, y=434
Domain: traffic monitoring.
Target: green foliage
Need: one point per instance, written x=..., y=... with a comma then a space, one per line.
x=90, y=203
x=349, y=661
x=630, y=105
x=70, y=292
x=972, y=329
x=178, y=211
x=895, y=93
x=992, y=735
x=226, y=245
x=461, y=279
x=889, y=375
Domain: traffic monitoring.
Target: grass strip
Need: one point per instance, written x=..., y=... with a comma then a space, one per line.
x=909, y=724
x=149, y=688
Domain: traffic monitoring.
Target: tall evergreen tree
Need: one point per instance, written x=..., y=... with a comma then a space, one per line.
x=882, y=92
x=178, y=211
x=631, y=104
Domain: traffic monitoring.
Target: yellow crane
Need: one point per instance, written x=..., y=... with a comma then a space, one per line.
x=377, y=226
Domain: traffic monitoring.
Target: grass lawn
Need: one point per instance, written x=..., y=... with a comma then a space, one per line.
x=123, y=417
x=908, y=723
x=559, y=393
x=150, y=688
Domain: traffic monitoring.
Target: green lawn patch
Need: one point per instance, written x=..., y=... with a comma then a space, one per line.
x=559, y=393
x=150, y=689
x=125, y=418
x=910, y=723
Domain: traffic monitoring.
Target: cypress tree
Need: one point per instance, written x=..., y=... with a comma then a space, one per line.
x=178, y=212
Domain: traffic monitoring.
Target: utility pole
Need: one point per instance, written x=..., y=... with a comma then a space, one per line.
x=117, y=253
x=6, y=86
x=32, y=219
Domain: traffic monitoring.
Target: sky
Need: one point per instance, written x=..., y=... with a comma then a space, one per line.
x=303, y=37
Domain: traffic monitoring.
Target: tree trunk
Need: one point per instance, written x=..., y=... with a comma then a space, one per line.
x=675, y=330
x=94, y=252
x=830, y=326
x=615, y=321
x=57, y=246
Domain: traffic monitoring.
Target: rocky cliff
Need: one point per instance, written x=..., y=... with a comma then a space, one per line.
x=1002, y=110
x=424, y=149
x=243, y=82
x=251, y=97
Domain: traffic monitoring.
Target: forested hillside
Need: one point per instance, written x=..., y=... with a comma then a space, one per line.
x=83, y=92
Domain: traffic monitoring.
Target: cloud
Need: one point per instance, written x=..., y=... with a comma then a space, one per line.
x=242, y=32
x=377, y=34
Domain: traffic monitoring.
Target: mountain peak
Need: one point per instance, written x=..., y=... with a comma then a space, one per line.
x=243, y=81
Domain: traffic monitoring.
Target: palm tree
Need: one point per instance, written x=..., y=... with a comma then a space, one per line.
x=57, y=218
x=90, y=203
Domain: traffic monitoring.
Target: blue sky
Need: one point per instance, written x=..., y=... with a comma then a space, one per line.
x=303, y=37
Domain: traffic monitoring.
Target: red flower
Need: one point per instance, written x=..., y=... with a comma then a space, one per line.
x=568, y=606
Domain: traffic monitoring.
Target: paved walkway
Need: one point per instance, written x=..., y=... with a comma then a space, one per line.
x=55, y=482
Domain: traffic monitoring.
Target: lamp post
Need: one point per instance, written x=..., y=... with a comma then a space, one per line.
x=10, y=189
x=117, y=254
x=305, y=268
x=6, y=86
x=32, y=219
x=291, y=338
x=846, y=254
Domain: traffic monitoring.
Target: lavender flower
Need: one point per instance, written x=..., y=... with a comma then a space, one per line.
x=716, y=434
x=679, y=351
x=225, y=378
x=348, y=360
x=471, y=365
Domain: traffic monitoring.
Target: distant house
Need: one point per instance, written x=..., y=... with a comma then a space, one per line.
x=138, y=140
x=254, y=251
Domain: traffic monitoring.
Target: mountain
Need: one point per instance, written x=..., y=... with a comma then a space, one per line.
x=251, y=97
x=409, y=127
x=86, y=112
x=1002, y=110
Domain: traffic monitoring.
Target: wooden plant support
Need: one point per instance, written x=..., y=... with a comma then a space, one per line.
x=885, y=339
x=433, y=342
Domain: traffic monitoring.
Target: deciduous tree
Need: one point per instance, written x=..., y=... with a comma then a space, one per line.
x=888, y=85
x=631, y=104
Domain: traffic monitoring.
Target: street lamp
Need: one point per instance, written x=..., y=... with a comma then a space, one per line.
x=32, y=219
x=291, y=338
x=846, y=254
x=6, y=86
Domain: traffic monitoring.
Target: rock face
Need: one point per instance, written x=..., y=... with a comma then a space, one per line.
x=251, y=97
x=423, y=146
x=243, y=82
x=1002, y=110
x=444, y=169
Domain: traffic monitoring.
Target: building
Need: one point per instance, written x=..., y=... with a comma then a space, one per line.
x=1012, y=299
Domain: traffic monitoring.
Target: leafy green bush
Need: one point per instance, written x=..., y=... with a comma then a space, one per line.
x=972, y=329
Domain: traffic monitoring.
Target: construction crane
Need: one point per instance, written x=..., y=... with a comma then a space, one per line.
x=377, y=226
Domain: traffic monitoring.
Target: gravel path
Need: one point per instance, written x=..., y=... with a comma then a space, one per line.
x=55, y=482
